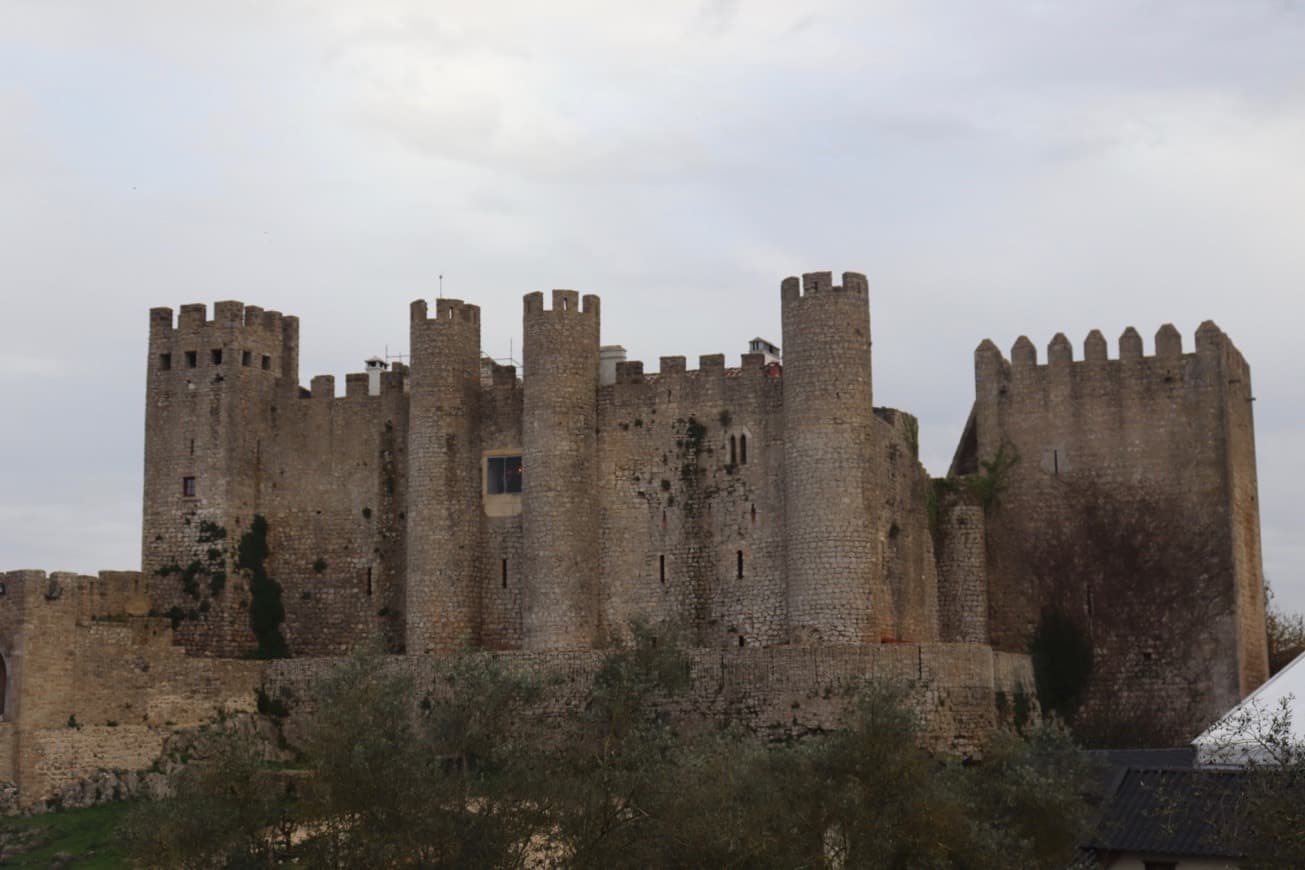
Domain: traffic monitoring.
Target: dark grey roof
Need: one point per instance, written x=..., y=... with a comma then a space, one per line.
x=1171, y=811
x=1183, y=756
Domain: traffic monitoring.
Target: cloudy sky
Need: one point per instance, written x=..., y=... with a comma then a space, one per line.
x=996, y=168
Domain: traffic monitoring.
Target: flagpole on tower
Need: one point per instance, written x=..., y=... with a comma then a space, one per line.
x=441, y=286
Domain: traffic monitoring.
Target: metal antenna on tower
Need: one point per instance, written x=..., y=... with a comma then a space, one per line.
x=441, y=286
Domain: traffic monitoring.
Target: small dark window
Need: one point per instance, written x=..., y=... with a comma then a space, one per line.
x=246, y=358
x=661, y=568
x=734, y=450
x=192, y=446
x=267, y=362
x=741, y=640
x=165, y=362
x=754, y=514
x=1160, y=865
x=369, y=580
x=505, y=573
x=188, y=487
x=503, y=475
x=740, y=557
x=743, y=450
x=216, y=354
x=1055, y=469
x=192, y=358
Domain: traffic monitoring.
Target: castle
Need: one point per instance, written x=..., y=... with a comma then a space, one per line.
x=770, y=511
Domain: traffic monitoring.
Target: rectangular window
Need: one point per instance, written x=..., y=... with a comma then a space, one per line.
x=188, y=487
x=661, y=568
x=505, y=573
x=503, y=475
x=740, y=565
x=267, y=362
x=165, y=362
x=192, y=358
x=216, y=354
x=245, y=358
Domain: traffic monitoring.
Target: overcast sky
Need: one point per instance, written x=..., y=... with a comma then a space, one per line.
x=996, y=169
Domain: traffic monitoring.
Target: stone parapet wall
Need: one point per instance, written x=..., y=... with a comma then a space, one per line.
x=779, y=691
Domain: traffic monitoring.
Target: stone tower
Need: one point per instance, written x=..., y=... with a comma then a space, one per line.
x=211, y=390
x=442, y=606
x=827, y=426
x=1128, y=515
x=559, y=503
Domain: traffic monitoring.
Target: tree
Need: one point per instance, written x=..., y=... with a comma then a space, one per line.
x=468, y=773
x=228, y=807
x=1285, y=632
x=401, y=783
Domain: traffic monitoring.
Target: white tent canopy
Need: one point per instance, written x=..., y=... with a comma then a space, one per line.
x=1267, y=727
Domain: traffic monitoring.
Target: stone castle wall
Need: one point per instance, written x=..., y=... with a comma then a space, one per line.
x=1131, y=510
x=92, y=682
x=661, y=497
x=959, y=690
x=769, y=515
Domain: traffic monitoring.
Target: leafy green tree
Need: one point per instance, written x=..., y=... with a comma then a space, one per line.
x=467, y=774
x=228, y=809
x=1285, y=633
x=394, y=787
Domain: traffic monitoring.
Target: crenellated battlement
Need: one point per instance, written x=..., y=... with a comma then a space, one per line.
x=236, y=336
x=817, y=283
x=672, y=368
x=451, y=311
x=356, y=385
x=1168, y=349
x=564, y=302
x=227, y=314
x=109, y=595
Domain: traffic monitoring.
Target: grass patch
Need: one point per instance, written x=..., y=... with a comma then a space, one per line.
x=86, y=834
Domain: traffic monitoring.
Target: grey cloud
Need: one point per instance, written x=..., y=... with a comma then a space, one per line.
x=997, y=169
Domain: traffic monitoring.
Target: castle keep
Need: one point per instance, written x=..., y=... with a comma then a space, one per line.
x=749, y=505
x=769, y=511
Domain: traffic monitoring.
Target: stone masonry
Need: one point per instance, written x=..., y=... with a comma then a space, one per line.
x=762, y=509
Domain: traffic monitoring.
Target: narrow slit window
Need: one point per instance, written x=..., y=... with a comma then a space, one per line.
x=661, y=567
x=1055, y=462
x=192, y=359
x=216, y=355
x=743, y=450
x=246, y=358
x=369, y=580
x=503, y=475
x=740, y=564
x=165, y=362
x=741, y=641
x=188, y=487
x=734, y=450
x=754, y=514
x=267, y=362
x=504, y=572
x=192, y=446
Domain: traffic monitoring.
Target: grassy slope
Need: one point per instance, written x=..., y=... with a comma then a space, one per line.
x=86, y=834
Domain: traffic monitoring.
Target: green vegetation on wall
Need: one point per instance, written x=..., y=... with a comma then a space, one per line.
x=266, y=612
x=1062, y=663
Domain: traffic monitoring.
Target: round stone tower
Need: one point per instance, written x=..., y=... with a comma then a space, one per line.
x=559, y=514
x=828, y=417
x=441, y=600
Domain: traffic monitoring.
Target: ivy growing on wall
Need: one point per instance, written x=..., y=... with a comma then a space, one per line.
x=266, y=611
x=1062, y=663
